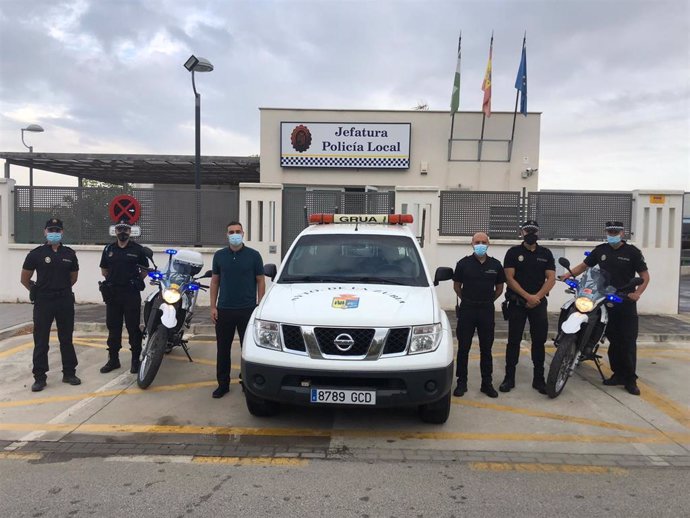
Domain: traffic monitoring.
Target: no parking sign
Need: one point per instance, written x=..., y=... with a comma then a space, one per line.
x=127, y=208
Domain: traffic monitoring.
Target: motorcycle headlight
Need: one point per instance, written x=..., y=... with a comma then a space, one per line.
x=171, y=295
x=584, y=305
x=425, y=339
x=267, y=334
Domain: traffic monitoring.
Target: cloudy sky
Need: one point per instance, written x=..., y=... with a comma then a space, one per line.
x=611, y=77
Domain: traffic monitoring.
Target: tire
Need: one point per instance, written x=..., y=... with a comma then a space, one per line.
x=561, y=365
x=152, y=357
x=436, y=412
x=260, y=407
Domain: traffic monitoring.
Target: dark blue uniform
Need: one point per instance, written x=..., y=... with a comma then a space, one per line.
x=530, y=273
x=54, y=300
x=622, y=329
x=476, y=311
x=123, y=299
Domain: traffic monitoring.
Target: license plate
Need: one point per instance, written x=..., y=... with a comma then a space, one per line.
x=343, y=397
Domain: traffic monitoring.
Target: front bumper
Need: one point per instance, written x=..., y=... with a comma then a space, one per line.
x=393, y=388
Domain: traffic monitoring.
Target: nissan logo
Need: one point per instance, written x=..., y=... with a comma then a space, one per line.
x=344, y=342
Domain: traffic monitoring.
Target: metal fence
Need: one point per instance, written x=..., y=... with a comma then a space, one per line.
x=298, y=203
x=465, y=212
x=561, y=215
x=169, y=216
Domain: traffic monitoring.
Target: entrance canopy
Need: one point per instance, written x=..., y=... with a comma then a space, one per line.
x=158, y=169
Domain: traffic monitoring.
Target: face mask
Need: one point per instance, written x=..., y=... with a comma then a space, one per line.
x=123, y=236
x=531, y=238
x=54, y=237
x=613, y=240
x=235, y=239
x=480, y=250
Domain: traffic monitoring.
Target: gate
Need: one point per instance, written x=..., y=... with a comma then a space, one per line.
x=298, y=204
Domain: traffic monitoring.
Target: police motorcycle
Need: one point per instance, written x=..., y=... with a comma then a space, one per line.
x=168, y=311
x=582, y=323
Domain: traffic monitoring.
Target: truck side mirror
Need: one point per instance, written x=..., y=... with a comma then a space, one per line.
x=443, y=273
x=270, y=270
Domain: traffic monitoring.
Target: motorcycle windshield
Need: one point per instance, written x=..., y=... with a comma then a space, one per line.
x=171, y=277
x=593, y=283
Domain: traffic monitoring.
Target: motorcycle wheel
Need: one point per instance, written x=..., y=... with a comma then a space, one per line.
x=561, y=365
x=152, y=356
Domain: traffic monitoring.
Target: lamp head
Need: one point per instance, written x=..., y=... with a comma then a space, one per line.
x=195, y=64
x=34, y=128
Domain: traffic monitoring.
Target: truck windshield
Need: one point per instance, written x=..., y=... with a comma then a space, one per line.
x=367, y=259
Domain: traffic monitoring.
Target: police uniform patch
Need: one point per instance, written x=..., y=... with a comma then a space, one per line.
x=47, y=259
x=110, y=254
x=521, y=258
x=603, y=257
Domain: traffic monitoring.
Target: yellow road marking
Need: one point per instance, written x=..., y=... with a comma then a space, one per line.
x=17, y=349
x=674, y=410
x=200, y=361
x=251, y=461
x=20, y=456
x=557, y=417
x=109, y=393
x=547, y=468
x=308, y=432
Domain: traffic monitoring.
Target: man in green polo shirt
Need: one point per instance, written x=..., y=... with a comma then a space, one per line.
x=237, y=286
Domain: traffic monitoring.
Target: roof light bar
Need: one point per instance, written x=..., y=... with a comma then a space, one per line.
x=391, y=219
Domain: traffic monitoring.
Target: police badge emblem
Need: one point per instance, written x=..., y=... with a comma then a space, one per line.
x=603, y=257
x=521, y=258
x=47, y=259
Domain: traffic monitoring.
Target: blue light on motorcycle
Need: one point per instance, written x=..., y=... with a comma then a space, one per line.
x=156, y=275
x=587, y=252
x=614, y=298
x=171, y=251
x=572, y=283
x=193, y=287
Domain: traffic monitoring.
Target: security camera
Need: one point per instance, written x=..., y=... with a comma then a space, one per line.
x=529, y=172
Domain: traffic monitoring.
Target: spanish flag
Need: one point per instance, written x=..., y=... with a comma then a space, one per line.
x=486, y=84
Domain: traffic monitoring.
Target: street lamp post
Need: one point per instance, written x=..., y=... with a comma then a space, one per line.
x=34, y=128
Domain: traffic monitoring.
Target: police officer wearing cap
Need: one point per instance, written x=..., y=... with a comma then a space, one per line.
x=621, y=260
x=477, y=281
x=57, y=269
x=120, y=265
x=530, y=275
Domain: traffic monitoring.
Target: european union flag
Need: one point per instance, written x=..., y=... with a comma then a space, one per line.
x=521, y=81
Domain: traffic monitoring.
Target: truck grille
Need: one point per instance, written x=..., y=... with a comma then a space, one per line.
x=293, y=338
x=326, y=336
x=396, y=341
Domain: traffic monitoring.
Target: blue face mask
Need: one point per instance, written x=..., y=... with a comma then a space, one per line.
x=613, y=240
x=480, y=250
x=54, y=237
x=235, y=239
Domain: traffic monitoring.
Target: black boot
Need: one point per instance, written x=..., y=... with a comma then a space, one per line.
x=488, y=389
x=538, y=382
x=460, y=389
x=135, y=362
x=508, y=382
x=112, y=364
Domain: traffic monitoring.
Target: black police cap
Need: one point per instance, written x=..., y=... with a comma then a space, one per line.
x=530, y=224
x=54, y=222
x=124, y=222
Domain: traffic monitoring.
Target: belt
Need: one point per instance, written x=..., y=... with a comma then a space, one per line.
x=468, y=302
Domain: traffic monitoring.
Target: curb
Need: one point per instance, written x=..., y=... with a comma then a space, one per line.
x=19, y=329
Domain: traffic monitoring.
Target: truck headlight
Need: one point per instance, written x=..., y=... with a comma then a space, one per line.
x=171, y=295
x=425, y=339
x=584, y=305
x=267, y=334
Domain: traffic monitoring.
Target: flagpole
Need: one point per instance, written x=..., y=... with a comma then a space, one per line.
x=517, y=93
x=452, y=116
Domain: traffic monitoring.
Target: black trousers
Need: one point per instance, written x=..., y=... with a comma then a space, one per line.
x=538, y=330
x=228, y=321
x=60, y=309
x=622, y=332
x=481, y=319
x=123, y=305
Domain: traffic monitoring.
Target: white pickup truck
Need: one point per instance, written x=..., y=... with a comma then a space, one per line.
x=351, y=318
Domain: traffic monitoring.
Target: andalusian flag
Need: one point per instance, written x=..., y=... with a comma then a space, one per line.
x=455, y=98
x=486, y=84
x=521, y=79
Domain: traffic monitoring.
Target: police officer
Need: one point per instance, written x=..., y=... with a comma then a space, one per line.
x=530, y=275
x=57, y=270
x=119, y=265
x=621, y=260
x=478, y=282
x=237, y=286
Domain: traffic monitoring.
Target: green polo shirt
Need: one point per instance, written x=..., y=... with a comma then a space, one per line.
x=238, y=272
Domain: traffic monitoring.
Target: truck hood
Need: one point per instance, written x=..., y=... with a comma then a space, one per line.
x=347, y=305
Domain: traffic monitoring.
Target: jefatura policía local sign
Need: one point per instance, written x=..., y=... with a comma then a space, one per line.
x=345, y=145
